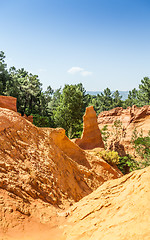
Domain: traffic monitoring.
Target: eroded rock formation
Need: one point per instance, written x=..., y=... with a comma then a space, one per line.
x=126, y=116
x=8, y=102
x=41, y=168
x=91, y=136
x=46, y=158
x=131, y=118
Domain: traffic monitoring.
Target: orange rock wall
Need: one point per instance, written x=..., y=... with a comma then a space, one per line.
x=11, y=104
x=131, y=118
x=126, y=116
x=8, y=102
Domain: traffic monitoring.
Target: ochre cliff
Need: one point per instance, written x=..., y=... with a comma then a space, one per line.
x=91, y=136
x=41, y=168
x=126, y=116
x=8, y=102
x=131, y=118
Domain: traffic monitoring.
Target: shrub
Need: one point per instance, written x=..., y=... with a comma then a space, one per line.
x=111, y=157
x=142, y=147
x=127, y=164
x=41, y=121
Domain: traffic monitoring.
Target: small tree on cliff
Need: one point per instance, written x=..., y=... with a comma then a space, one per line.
x=70, y=110
x=144, y=92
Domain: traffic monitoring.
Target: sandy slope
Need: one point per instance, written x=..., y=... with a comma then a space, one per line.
x=119, y=209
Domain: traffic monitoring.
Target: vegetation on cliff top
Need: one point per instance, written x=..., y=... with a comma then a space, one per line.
x=62, y=107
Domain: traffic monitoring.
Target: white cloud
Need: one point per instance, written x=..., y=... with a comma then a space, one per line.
x=86, y=73
x=42, y=70
x=79, y=70
x=75, y=70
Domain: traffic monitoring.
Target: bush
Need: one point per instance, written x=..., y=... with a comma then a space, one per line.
x=111, y=157
x=41, y=121
x=127, y=164
x=142, y=147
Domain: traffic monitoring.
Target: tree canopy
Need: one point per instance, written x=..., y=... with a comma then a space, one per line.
x=68, y=114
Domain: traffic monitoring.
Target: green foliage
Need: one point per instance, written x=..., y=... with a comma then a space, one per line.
x=117, y=130
x=106, y=101
x=105, y=135
x=142, y=147
x=41, y=121
x=139, y=97
x=144, y=92
x=132, y=99
x=117, y=102
x=27, y=89
x=111, y=157
x=127, y=164
x=103, y=101
x=4, y=74
x=64, y=107
x=135, y=135
x=69, y=112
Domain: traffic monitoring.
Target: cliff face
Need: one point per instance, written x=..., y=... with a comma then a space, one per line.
x=131, y=118
x=40, y=168
x=91, y=136
x=8, y=102
x=33, y=165
x=126, y=116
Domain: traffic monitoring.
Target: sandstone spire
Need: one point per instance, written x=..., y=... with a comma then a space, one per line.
x=91, y=136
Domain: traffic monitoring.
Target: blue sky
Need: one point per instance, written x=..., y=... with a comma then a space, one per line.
x=101, y=43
